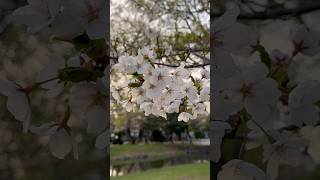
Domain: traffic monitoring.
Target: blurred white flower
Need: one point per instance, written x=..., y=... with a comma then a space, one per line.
x=240, y=170
x=230, y=36
x=252, y=90
x=302, y=101
x=17, y=102
x=60, y=143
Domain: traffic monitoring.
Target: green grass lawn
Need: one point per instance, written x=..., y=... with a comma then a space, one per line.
x=151, y=151
x=180, y=172
x=132, y=149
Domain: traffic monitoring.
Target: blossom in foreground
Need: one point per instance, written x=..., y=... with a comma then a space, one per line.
x=240, y=170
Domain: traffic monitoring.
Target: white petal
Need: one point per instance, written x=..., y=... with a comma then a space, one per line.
x=18, y=105
x=44, y=129
x=7, y=87
x=60, y=144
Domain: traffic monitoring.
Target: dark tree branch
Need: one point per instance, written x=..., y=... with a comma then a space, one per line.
x=189, y=66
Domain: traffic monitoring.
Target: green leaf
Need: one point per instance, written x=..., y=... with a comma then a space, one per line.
x=264, y=56
x=281, y=76
x=95, y=49
x=135, y=84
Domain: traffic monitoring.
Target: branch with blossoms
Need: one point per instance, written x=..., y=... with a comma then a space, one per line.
x=180, y=52
x=262, y=103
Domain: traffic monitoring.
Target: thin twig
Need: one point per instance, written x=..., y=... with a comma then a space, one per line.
x=188, y=66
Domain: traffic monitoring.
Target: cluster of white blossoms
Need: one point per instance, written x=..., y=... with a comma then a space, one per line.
x=281, y=112
x=160, y=90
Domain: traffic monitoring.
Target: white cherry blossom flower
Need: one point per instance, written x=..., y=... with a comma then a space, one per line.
x=180, y=73
x=171, y=92
x=142, y=65
x=254, y=91
x=126, y=64
x=153, y=90
x=190, y=91
x=184, y=116
x=288, y=149
x=279, y=59
x=148, y=52
x=305, y=41
x=94, y=13
x=160, y=76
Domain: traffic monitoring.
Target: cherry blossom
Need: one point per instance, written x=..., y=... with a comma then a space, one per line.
x=305, y=41
x=287, y=150
x=159, y=90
